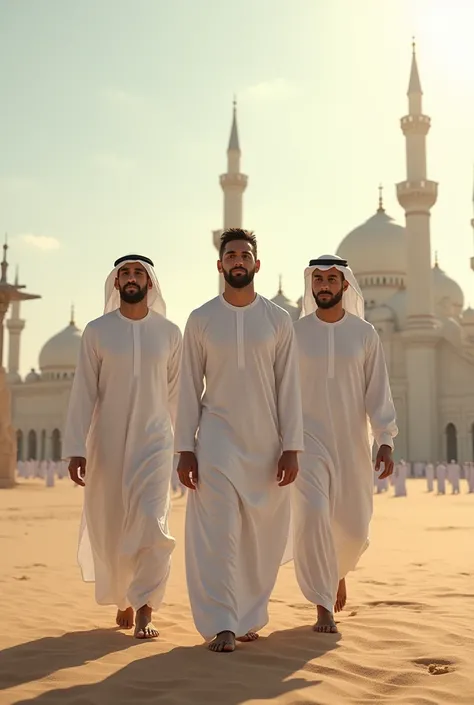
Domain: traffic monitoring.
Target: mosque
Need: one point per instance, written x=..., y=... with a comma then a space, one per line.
x=418, y=311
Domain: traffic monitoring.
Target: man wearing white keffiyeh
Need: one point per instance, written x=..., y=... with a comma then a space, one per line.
x=346, y=401
x=119, y=440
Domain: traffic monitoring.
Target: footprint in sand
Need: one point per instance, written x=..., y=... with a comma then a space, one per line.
x=301, y=607
x=435, y=666
x=21, y=577
x=416, y=606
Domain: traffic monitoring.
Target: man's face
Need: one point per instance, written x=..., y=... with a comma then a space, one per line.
x=328, y=287
x=238, y=264
x=132, y=282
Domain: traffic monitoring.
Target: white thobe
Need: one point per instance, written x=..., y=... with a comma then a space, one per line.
x=429, y=472
x=441, y=478
x=238, y=422
x=120, y=419
x=345, y=389
x=49, y=474
x=400, y=475
x=454, y=475
x=471, y=477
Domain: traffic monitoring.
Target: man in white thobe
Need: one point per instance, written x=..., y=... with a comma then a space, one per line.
x=238, y=431
x=429, y=472
x=441, y=478
x=346, y=391
x=454, y=476
x=120, y=419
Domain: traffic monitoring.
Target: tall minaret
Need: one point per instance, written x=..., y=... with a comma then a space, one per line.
x=472, y=226
x=15, y=326
x=417, y=195
x=233, y=184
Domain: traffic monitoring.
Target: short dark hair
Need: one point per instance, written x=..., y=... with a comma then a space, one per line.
x=237, y=234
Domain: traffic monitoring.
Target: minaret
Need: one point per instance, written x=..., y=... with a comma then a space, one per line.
x=15, y=326
x=472, y=226
x=417, y=195
x=233, y=184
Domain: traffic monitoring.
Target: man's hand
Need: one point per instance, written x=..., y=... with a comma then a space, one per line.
x=77, y=470
x=384, y=456
x=287, y=468
x=188, y=470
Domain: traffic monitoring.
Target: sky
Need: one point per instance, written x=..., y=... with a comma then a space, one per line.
x=116, y=116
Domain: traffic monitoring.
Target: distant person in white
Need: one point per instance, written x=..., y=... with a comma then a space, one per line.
x=119, y=439
x=238, y=431
x=429, y=472
x=454, y=476
x=441, y=478
x=470, y=478
x=400, y=479
x=346, y=392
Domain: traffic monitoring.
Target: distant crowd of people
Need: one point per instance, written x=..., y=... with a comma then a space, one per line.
x=442, y=474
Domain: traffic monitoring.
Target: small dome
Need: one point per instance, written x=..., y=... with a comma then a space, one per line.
x=32, y=376
x=380, y=314
x=448, y=295
x=284, y=302
x=376, y=247
x=13, y=378
x=468, y=317
x=60, y=353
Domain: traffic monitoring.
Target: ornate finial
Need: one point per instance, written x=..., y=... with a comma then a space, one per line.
x=380, y=209
x=280, y=284
x=413, y=45
x=436, y=264
x=17, y=275
x=234, y=103
x=72, y=322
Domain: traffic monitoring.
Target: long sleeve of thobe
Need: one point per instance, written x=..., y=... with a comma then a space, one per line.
x=378, y=397
x=174, y=365
x=83, y=397
x=287, y=379
x=191, y=388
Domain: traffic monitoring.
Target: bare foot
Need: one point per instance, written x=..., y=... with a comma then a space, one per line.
x=124, y=618
x=325, y=623
x=341, y=596
x=224, y=641
x=250, y=636
x=144, y=627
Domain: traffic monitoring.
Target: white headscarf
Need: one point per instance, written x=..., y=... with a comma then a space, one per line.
x=352, y=300
x=155, y=300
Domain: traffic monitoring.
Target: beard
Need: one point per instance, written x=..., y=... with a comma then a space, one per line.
x=132, y=294
x=240, y=281
x=328, y=302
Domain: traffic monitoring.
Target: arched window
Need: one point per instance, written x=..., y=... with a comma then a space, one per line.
x=384, y=280
x=451, y=443
x=56, y=445
x=32, y=446
x=43, y=445
x=19, y=445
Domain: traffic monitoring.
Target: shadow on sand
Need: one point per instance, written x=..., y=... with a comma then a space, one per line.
x=258, y=671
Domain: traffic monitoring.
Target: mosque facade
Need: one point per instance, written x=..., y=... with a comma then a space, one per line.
x=417, y=309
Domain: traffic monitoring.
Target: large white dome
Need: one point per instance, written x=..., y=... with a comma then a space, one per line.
x=377, y=247
x=60, y=353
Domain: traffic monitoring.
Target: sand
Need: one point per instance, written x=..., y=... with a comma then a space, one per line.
x=407, y=636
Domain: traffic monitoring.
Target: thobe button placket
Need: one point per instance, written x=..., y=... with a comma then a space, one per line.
x=240, y=340
x=136, y=350
x=331, y=352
